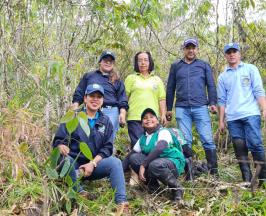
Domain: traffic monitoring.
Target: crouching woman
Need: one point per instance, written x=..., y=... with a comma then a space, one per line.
x=155, y=157
x=100, y=142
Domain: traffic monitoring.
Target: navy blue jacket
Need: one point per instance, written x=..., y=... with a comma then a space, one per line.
x=190, y=81
x=114, y=94
x=100, y=140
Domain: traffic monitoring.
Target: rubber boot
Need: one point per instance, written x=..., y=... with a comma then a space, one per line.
x=260, y=157
x=153, y=185
x=176, y=189
x=211, y=157
x=241, y=153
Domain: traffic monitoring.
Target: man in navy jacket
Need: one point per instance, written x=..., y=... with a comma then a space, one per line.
x=100, y=143
x=190, y=78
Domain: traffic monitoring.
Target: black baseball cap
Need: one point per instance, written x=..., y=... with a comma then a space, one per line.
x=105, y=54
x=148, y=110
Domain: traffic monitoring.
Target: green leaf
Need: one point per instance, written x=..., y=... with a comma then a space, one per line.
x=83, y=115
x=83, y=121
x=54, y=156
x=71, y=194
x=68, y=116
x=72, y=125
x=69, y=181
x=85, y=150
x=68, y=206
x=51, y=173
x=65, y=168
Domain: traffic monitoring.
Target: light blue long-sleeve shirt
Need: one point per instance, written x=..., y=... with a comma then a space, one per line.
x=238, y=90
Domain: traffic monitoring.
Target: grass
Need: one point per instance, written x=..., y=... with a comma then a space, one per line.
x=25, y=188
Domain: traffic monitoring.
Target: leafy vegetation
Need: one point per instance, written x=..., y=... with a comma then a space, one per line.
x=46, y=46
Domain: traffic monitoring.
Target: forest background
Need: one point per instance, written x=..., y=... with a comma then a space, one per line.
x=45, y=48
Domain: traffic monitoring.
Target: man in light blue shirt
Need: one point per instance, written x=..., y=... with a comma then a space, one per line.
x=240, y=92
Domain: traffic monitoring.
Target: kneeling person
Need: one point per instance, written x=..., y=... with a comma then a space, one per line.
x=100, y=143
x=155, y=158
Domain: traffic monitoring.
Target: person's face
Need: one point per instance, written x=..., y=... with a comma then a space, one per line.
x=143, y=62
x=232, y=56
x=149, y=121
x=106, y=64
x=190, y=52
x=93, y=101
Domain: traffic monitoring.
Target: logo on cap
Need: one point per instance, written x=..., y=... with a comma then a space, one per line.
x=96, y=86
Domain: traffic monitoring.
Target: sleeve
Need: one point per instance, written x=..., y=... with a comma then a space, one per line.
x=164, y=138
x=106, y=149
x=80, y=90
x=129, y=84
x=170, y=89
x=256, y=82
x=122, y=97
x=61, y=136
x=165, y=135
x=136, y=147
x=212, y=93
x=161, y=92
x=221, y=92
x=161, y=145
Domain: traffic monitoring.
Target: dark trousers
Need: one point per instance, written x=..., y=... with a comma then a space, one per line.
x=160, y=168
x=135, y=130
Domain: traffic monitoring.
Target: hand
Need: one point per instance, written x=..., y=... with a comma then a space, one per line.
x=122, y=117
x=88, y=169
x=213, y=109
x=63, y=149
x=169, y=115
x=221, y=127
x=141, y=173
x=75, y=106
x=163, y=120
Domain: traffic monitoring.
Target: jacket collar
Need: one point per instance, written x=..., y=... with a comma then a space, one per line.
x=228, y=68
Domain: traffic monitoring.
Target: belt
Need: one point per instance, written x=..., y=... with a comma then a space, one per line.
x=108, y=107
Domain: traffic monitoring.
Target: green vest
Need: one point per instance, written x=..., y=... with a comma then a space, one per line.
x=171, y=152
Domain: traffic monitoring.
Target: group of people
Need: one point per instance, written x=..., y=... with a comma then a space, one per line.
x=146, y=107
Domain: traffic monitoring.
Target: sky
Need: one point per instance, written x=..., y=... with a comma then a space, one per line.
x=250, y=14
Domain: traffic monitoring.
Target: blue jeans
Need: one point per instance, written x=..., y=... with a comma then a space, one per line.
x=185, y=116
x=247, y=129
x=111, y=168
x=113, y=114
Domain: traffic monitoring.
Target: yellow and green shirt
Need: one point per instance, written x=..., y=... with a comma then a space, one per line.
x=143, y=92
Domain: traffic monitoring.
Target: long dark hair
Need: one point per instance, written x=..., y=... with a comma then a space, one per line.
x=114, y=76
x=151, y=65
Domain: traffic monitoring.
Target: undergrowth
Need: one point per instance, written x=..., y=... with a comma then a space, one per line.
x=26, y=189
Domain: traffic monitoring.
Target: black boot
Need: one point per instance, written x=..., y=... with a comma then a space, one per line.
x=260, y=157
x=241, y=153
x=153, y=185
x=211, y=157
x=171, y=181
